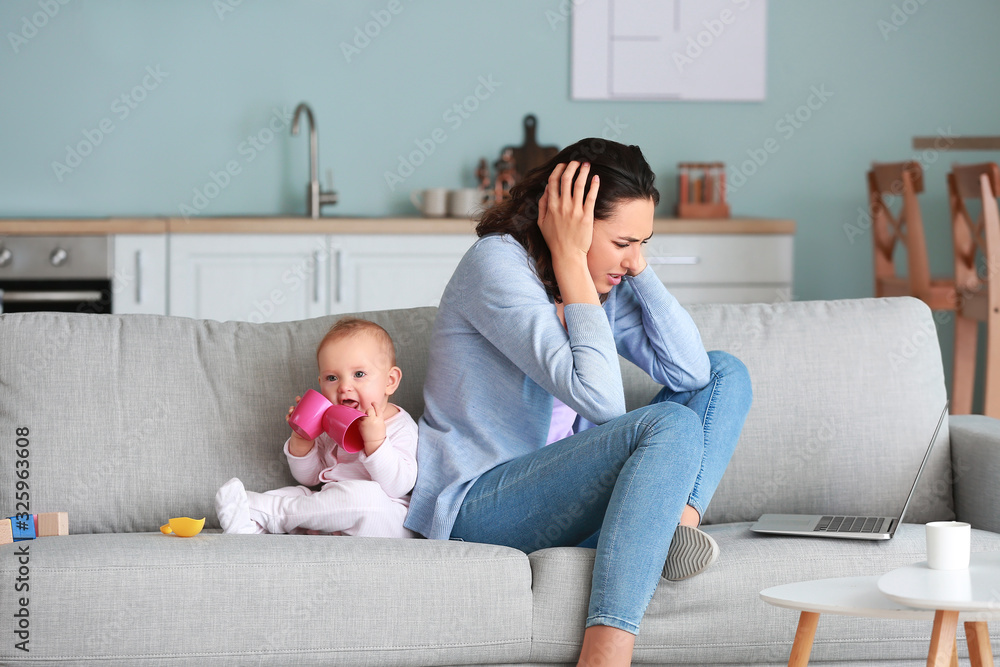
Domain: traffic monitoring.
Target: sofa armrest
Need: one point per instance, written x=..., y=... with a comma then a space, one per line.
x=975, y=464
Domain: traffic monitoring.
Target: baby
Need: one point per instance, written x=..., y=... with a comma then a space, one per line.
x=365, y=493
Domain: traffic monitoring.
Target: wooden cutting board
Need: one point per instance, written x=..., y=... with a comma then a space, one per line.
x=530, y=154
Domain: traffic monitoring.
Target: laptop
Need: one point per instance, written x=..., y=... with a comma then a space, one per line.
x=840, y=526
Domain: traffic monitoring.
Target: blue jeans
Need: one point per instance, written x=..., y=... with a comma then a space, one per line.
x=622, y=485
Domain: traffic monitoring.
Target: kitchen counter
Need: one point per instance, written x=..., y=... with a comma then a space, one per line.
x=333, y=225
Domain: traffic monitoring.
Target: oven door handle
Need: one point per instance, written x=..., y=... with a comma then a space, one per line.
x=21, y=296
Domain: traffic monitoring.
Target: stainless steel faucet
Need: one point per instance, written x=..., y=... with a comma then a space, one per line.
x=315, y=197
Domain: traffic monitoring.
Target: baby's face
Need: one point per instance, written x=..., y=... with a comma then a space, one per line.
x=355, y=371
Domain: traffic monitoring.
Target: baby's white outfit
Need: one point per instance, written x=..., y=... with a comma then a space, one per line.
x=362, y=495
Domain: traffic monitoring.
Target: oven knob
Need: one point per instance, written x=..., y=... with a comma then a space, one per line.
x=5, y=256
x=58, y=257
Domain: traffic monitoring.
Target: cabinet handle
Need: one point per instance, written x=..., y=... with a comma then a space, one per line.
x=138, y=276
x=336, y=275
x=26, y=296
x=674, y=259
x=315, y=276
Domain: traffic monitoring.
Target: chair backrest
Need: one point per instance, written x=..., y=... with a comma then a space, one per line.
x=904, y=180
x=975, y=235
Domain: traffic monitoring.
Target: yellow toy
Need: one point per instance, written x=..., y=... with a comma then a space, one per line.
x=183, y=526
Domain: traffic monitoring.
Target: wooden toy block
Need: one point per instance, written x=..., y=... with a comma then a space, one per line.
x=6, y=533
x=23, y=527
x=52, y=524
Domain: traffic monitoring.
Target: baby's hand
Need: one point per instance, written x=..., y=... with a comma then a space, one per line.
x=291, y=408
x=372, y=428
x=297, y=445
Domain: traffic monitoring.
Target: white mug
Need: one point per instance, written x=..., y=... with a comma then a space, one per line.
x=948, y=545
x=432, y=202
x=465, y=202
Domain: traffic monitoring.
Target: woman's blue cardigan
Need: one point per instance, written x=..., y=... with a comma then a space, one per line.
x=499, y=354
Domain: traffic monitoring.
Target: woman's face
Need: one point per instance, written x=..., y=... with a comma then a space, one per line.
x=616, y=248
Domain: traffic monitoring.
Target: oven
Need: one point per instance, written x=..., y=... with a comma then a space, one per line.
x=56, y=273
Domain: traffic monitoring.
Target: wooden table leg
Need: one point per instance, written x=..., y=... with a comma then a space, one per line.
x=977, y=634
x=942, y=638
x=804, y=635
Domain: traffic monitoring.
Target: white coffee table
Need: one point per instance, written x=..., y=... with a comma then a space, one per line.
x=860, y=596
x=844, y=596
x=975, y=591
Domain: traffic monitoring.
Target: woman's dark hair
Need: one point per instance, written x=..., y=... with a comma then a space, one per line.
x=624, y=176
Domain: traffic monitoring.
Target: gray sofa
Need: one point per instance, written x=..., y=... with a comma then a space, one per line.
x=132, y=420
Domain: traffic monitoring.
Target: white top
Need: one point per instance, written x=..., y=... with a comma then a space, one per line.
x=974, y=589
x=846, y=596
x=561, y=425
x=393, y=465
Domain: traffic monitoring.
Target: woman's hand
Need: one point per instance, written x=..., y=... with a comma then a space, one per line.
x=640, y=264
x=566, y=220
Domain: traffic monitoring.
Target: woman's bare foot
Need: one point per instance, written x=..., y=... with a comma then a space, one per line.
x=690, y=517
x=604, y=646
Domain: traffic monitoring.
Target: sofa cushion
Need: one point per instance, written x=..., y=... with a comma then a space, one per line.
x=269, y=599
x=718, y=617
x=846, y=397
x=133, y=419
x=975, y=460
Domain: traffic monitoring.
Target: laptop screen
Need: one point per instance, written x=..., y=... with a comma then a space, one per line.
x=923, y=464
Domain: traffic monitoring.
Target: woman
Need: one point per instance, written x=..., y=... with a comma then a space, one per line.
x=525, y=440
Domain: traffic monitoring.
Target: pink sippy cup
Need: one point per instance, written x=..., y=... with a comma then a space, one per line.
x=315, y=414
x=341, y=423
x=307, y=417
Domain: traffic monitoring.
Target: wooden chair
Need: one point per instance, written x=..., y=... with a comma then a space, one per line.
x=977, y=281
x=904, y=180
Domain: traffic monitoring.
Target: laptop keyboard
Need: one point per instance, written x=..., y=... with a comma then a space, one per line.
x=848, y=524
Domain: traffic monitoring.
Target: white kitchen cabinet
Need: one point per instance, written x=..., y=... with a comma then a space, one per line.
x=278, y=277
x=724, y=268
x=139, y=283
x=249, y=277
x=381, y=272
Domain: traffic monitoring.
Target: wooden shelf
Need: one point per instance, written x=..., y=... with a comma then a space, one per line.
x=723, y=226
x=945, y=143
x=303, y=225
x=81, y=226
x=297, y=225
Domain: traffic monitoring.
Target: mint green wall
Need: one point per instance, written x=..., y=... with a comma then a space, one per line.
x=222, y=75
